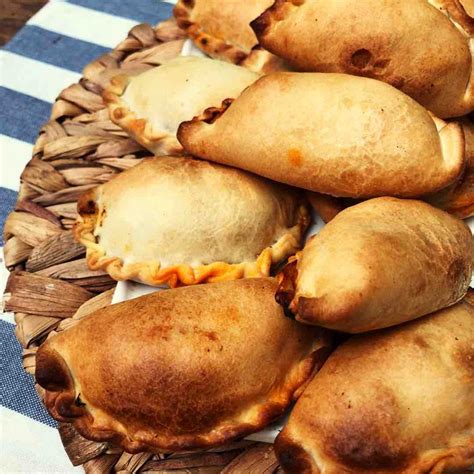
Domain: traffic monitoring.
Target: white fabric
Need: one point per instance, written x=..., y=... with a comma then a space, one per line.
x=25, y=442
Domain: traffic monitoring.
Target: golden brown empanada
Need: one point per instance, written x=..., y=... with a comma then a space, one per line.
x=399, y=400
x=332, y=133
x=222, y=30
x=183, y=221
x=150, y=106
x=377, y=264
x=180, y=369
x=422, y=47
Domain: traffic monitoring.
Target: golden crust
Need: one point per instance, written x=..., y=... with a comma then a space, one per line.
x=207, y=223
x=222, y=31
x=399, y=400
x=458, y=199
x=151, y=105
x=397, y=45
x=378, y=264
x=335, y=134
x=181, y=369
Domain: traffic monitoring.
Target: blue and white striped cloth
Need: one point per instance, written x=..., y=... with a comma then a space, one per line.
x=46, y=56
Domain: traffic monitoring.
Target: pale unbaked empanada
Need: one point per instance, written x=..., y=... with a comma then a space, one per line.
x=222, y=30
x=422, y=47
x=332, y=133
x=399, y=400
x=150, y=106
x=180, y=369
x=183, y=221
x=377, y=264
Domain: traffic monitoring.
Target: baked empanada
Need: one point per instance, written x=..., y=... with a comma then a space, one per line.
x=183, y=221
x=399, y=400
x=150, y=106
x=421, y=47
x=377, y=264
x=332, y=133
x=458, y=199
x=180, y=369
x=222, y=30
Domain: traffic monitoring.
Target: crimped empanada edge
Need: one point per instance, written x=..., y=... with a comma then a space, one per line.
x=256, y=60
x=156, y=141
x=211, y=45
x=273, y=14
x=64, y=404
x=151, y=273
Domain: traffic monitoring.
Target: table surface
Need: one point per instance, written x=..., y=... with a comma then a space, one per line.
x=14, y=14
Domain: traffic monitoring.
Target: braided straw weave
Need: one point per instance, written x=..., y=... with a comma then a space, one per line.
x=50, y=287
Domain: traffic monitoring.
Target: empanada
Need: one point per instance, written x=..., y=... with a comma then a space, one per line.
x=422, y=47
x=183, y=221
x=180, y=369
x=332, y=133
x=399, y=400
x=150, y=106
x=222, y=30
x=377, y=264
x=458, y=199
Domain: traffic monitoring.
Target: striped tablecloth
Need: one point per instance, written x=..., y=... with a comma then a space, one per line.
x=46, y=56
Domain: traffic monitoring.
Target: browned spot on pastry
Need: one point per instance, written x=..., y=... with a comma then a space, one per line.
x=465, y=359
x=420, y=342
x=211, y=335
x=363, y=439
x=119, y=113
x=86, y=204
x=52, y=372
x=292, y=457
x=260, y=25
x=456, y=270
x=189, y=3
x=295, y=157
x=381, y=64
x=397, y=82
x=286, y=286
x=361, y=58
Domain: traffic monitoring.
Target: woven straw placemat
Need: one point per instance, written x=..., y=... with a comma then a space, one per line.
x=50, y=287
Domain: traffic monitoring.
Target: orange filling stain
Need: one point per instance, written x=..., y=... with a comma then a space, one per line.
x=295, y=157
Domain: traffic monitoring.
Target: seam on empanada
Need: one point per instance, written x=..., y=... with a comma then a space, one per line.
x=61, y=399
x=158, y=141
x=182, y=274
x=257, y=59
